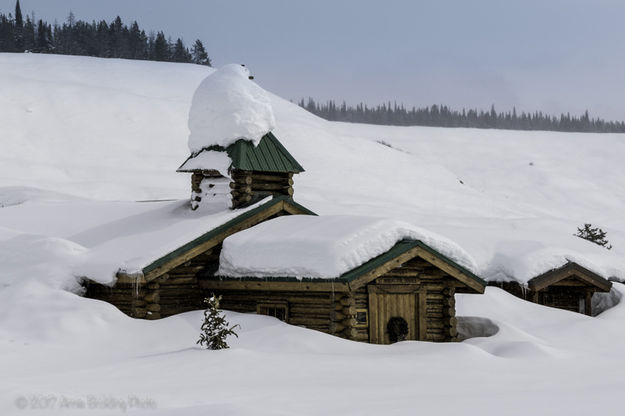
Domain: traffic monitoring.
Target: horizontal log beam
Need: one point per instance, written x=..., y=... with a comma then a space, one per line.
x=273, y=286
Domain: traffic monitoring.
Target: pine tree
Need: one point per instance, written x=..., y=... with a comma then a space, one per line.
x=199, y=55
x=161, y=48
x=180, y=53
x=135, y=41
x=19, y=28
x=215, y=328
x=29, y=34
x=19, y=20
x=593, y=234
x=7, y=34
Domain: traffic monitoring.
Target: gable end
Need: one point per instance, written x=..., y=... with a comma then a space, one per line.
x=404, y=251
x=571, y=269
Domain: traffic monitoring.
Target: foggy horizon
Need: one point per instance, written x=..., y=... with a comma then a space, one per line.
x=555, y=57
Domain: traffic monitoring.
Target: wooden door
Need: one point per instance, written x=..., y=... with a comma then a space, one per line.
x=389, y=302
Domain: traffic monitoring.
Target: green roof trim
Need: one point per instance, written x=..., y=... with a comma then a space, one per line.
x=269, y=156
x=222, y=228
x=397, y=250
x=570, y=269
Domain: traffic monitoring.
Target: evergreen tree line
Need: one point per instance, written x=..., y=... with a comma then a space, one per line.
x=102, y=39
x=443, y=116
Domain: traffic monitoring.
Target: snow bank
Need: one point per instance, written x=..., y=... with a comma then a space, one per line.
x=78, y=125
x=226, y=107
x=16, y=195
x=321, y=247
x=26, y=258
x=55, y=242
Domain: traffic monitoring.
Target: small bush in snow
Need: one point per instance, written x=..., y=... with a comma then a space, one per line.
x=594, y=234
x=215, y=328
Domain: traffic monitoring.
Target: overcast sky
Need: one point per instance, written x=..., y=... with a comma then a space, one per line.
x=554, y=56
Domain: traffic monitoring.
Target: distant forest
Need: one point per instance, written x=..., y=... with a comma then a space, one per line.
x=101, y=39
x=443, y=116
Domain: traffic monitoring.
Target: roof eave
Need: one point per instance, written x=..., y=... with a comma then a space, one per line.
x=553, y=276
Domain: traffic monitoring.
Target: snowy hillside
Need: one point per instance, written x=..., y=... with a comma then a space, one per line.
x=84, y=139
x=114, y=129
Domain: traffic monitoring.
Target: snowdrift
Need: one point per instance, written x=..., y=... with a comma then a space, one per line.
x=84, y=139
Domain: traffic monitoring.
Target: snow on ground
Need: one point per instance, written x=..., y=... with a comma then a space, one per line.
x=84, y=138
x=322, y=247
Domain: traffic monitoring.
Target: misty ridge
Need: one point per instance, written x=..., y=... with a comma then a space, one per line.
x=442, y=116
x=118, y=40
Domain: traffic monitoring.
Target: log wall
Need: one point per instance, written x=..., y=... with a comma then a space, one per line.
x=566, y=298
x=128, y=298
x=514, y=288
x=567, y=294
x=317, y=310
x=250, y=186
x=185, y=287
x=434, y=293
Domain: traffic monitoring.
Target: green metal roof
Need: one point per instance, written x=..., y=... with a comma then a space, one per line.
x=396, y=251
x=222, y=228
x=268, y=156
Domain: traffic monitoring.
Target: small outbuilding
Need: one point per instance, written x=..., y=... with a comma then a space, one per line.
x=568, y=287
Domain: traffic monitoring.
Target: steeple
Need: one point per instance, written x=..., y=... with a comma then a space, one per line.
x=254, y=172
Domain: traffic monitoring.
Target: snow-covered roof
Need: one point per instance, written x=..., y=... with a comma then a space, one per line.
x=268, y=156
x=133, y=240
x=208, y=160
x=322, y=247
x=522, y=260
x=228, y=106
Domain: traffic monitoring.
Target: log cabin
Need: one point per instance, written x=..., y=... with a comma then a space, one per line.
x=167, y=285
x=405, y=293
x=570, y=287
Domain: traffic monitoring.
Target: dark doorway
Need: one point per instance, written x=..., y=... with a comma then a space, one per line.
x=397, y=329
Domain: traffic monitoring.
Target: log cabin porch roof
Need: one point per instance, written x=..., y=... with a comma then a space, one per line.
x=570, y=269
x=400, y=253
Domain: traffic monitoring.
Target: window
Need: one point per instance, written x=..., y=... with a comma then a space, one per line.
x=275, y=309
x=362, y=318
